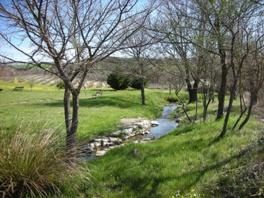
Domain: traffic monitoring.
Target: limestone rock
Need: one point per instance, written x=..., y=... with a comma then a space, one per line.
x=154, y=123
x=117, y=133
x=127, y=131
x=100, y=153
x=130, y=128
x=114, y=140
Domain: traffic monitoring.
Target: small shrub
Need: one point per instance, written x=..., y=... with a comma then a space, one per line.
x=136, y=83
x=60, y=85
x=118, y=81
x=172, y=99
x=34, y=165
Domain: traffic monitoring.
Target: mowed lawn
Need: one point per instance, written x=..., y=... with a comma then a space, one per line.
x=43, y=106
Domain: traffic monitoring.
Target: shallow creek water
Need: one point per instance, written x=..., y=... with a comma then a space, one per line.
x=166, y=125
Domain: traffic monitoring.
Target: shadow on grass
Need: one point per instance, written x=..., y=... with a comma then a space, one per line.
x=100, y=101
x=183, y=130
x=189, y=179
x=110, y=101
x=200, y=173
x=144, y=180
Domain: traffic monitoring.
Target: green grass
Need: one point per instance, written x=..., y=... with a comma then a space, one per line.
x=97, y=115
x=180, y=163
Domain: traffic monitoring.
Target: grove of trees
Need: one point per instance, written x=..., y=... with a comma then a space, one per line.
x=214, y=45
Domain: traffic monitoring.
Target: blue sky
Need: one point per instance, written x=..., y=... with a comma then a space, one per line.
x=6, y=49
x=9, y=51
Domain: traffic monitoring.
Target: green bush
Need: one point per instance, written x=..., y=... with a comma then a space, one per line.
x=60, y=85
x=118, y=81
x=172, y=99
x=34, y=165
x=136, y=83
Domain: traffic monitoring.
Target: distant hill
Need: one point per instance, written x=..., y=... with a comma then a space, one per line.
x=96, y=78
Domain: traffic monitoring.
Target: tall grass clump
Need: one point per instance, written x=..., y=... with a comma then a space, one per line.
x=35, y=165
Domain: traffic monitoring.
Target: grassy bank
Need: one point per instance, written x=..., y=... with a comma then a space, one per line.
x=185, y=163
x=181, y=163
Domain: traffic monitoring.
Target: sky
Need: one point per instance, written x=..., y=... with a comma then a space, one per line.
x=9, y=51
x=5, y=48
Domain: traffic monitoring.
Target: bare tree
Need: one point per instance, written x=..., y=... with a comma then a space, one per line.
x=241, y=33
x=215, y=15
x=72, y=36
x=208, y=81
x=253, y=76
x=175, y=28
x=221, y=28
x=167, y=66
x=138, y=47
x=228, y=25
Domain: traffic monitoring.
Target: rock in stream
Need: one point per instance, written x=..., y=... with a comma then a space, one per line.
x=129, y=129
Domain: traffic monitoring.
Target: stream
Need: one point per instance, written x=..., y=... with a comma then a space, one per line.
x=163, y=125
x=166, y=125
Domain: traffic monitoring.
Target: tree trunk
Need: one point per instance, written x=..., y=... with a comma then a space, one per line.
x=206, y=102
x=192, y=95
x=71, y=134
x=192, y=90
x=229, y=108
x=212, y=93
x=222, y=90
x=205, y=111
x=67, y=109
x=253, y=101
x=247, y=117
x=239, y=118
x=142, y=90
x=242, y=109
x=142, y=87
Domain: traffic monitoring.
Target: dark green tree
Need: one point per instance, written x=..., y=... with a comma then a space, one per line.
x=118, y=81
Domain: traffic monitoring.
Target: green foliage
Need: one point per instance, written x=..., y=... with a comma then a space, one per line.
x=172, y=99
x=60, y=85
x=136, y=83
x=33, y=163
x=118, y=81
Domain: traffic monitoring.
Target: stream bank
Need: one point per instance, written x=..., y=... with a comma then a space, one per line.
x=137, y=130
